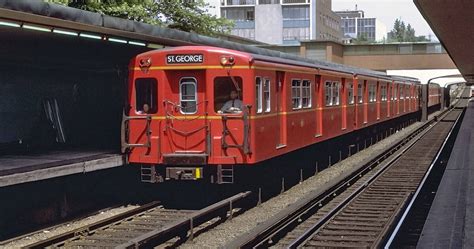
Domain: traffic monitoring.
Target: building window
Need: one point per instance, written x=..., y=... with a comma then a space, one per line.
x=360, y=93
x=295, y=13
x=372, y=93
x=258, y=94
x=146, y=94
x=266, y=95
x=350, y=93
x=332, y=93
x=188, y=95
x=296, y=94
x=296, y=33
x=239, y=14
x=383, y=92
x=306, y=94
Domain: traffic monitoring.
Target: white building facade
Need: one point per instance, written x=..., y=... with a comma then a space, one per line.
x=281, y=21
x=355, y=25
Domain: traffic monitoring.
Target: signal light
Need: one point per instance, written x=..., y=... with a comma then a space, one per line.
x=227, y=60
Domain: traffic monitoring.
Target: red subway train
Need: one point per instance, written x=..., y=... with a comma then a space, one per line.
x=197, y=111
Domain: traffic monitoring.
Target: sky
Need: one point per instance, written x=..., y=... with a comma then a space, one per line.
x=387, y=11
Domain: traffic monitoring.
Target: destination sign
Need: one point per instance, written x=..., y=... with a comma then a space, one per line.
x=184, y=58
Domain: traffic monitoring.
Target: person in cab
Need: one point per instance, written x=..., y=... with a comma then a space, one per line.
x=233, y=105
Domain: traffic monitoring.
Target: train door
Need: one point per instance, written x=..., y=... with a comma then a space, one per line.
x=280, y=103
x=186, y=109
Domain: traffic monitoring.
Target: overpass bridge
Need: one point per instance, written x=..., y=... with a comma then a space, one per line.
x=380, y=57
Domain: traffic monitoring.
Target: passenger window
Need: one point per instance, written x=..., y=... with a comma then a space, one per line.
x=258, y=94
x=372, y=93
x=360, y=93
x=306, y=94
x=327, y=93
x=188, y=95
x=266, y=95
x=401, y=93
x=350, y=93
x=296, y=94
x=383, y=92
x=335, y=93
x=225, y=89
x=146, y=95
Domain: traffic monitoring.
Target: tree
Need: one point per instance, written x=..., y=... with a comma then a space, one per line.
x=190, y=16
x=404, y=33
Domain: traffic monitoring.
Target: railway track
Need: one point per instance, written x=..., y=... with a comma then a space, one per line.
x=362, y=209
x=146, y=226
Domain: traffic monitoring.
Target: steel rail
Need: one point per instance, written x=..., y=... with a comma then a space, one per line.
x=184, y=225
x=84, y=229
x=314, y=228
x=308, y=234
x=286, y=218
x=420, y=187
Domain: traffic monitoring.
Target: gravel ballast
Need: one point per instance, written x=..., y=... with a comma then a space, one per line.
x=67, y=227
x=226, y=232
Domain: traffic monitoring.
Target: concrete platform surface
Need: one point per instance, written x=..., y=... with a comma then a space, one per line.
x=16, y=169
x=450, y=222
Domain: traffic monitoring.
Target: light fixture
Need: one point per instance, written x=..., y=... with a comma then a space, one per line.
x=90, y=36
x=64, y=32
x=36, y=28
x=10, y=24
x=137, y=43
x=152, y=45
x=117, y=40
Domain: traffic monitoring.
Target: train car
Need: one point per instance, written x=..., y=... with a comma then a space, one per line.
x=434, y=94
x=197, y=112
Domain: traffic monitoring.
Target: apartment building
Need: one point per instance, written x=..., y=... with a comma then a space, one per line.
x=282, y=21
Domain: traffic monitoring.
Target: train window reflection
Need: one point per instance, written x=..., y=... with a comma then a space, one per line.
x=146, y=95
x=228, y=94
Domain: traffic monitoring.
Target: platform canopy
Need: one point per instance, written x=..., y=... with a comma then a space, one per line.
x=452, y=21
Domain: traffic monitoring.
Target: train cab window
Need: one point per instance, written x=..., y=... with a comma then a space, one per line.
x=296, y=94
x=306, y=94
x=146, y=95
x=266, y=95
x=350, y=93
x=360, y=93
x=372, y=93
x=223, y=88
x=258, y=94
x=188, y=95
x=383, y=92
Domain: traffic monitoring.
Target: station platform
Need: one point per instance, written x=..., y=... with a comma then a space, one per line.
x=450, y=222
x=16, y=169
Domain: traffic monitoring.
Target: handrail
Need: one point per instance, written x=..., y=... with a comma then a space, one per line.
x=245, y=146
x=176, y=107
x=125, y=132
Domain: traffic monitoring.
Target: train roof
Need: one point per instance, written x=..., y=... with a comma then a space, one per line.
x=54, y=14
x=278, y=57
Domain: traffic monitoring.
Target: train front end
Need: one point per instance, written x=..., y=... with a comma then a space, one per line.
x=188, y=117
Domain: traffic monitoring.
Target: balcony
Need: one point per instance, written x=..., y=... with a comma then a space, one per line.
x=294, y=1
x=240, y=2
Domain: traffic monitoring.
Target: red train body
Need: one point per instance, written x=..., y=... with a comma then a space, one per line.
x=175, y=125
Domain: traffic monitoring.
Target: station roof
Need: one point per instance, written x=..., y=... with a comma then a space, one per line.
x=57, y=18
x=452, y=22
